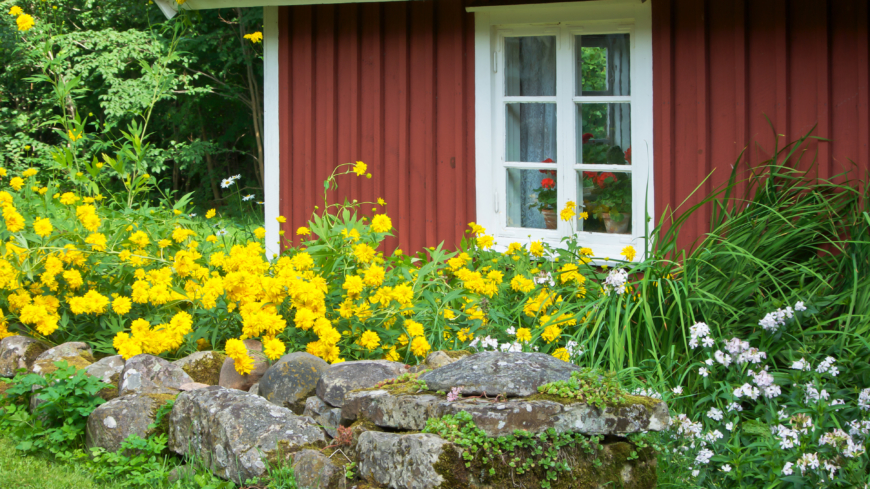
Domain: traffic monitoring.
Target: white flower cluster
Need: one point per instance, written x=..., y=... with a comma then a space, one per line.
x=686, y=427
x=742, y=352
x=801, y=365
x=704, y=456
x=764, y=380
x=649, y=393
x=715, y=413
x=827, y=366
x=700, y=331
x=228, y=182
x=545, y=278
x=815, y=395
x=843, y=442
x=864, y=399
x=776, y=319
x=616, y=280
x=490, y=343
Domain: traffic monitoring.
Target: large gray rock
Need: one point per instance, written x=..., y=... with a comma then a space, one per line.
x=403, y=461
x=514, y=374
x=438, y=359
x=107, y=369
x=410, y=412
x=110, y=423
x=18, y=352
x=325, y=415
x=234, y=432
x=231, y=379
x=314, y=470
x=76, y=354
x=147, y=374
x=341, y=378
x=291, y=380
x=203, y=367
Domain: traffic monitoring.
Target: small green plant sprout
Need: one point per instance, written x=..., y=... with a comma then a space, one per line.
x=409, y=379
x=592, y=386
x=350, y=470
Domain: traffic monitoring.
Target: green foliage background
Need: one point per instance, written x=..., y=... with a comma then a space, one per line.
x=204, y=130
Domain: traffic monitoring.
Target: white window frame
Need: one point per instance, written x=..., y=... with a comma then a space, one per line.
x=565, y=20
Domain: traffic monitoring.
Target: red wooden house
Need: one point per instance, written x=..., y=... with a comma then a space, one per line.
x=496, y=111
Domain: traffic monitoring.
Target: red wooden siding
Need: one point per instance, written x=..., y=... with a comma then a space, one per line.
x=720, y=66
x=391, y=84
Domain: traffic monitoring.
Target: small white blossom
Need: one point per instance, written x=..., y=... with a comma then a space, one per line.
x=248, y=197
x=222, y=232
x=616, y=280
x=726, y=468
x=864, y=399
x=678, y=390
x=787, y=469
x=715, y=413
x=709, y=362
x=801, y=365
x=704, y=456
x=729, y=426
x=800, y=306
x=703, y=372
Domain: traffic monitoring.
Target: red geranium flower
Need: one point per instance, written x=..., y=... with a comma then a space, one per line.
x=586, y=137
x=548, y=183
x=601, y=180
x=628, y=155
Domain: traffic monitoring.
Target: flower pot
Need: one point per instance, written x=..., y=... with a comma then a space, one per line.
x=614, y=227
x=549, y=218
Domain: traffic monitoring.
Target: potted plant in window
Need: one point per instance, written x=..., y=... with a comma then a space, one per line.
x=546, y=197
x=612, y=204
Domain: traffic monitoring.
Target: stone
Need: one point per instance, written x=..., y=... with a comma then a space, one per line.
x=107, y=369
x=341, y=378
x=314, y=470
x=192, y=386
x=76, y=354
x=233, y=433
x=147, y=374
x=291, y=380
x=255, y=389
x=514, y=374
x=203, y=367
x=407, y=412
x=17, y=352
x=323, y=414
x=110, y=423
x=438, y=359
x=231, y=379
x=403, y=461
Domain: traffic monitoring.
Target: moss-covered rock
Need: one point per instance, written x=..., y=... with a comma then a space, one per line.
x=292, y=380
x=75, y=354
x=203, y=366
x=17, y=352
x=111, y=423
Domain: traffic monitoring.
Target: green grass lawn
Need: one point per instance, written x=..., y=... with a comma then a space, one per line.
x=28, y=472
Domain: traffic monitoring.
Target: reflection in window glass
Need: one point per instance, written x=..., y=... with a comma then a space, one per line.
x=604, y=133
x=530, y=132
x=530, y=66
x=531, y=198
x=606, y=198
x=602, y=65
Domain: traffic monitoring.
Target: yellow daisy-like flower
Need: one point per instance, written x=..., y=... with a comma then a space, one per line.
x=537, y=249
x=562, y=354
x=369, y=340
x=210, y=213
x=42, y=226
x=419, y=346
x=16, y=183
x=121, y=305
x=25, y=22
x=524, y=335
x=260, y=232
x=15, y=11
x=281, y=219
x=381, y=223
x=381, y=201
x=363, y=252
x=485, y=242
x=255, y=38
x=629, y=253
x=303, y=231
x=568, y=212
x=30, y=172
x=360, y=168
x=211, y=239
x=273, y=348
x=74, y=137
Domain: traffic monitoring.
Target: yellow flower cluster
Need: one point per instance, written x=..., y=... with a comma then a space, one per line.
x=154, y=341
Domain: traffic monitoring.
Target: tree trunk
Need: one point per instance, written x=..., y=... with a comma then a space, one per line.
x=256, y=103
x=209, y=161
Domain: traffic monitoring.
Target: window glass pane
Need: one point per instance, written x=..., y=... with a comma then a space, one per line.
x=530, y=66
x=530, y=132
x=531, y=198
x=602, y=65
x=606, y=198
x=604, y=133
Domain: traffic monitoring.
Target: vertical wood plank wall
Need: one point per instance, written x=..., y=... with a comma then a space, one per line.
x=720, y=67
x=390, y=84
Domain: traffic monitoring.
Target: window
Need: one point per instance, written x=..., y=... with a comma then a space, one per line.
x=565, y=116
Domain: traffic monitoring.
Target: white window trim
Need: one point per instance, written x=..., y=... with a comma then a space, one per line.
x=271, y=132
x=565, y=19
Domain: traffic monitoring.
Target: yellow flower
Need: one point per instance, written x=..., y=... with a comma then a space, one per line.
x=121, y=305
x=303, y=231
x=568, y=212
x=359, y=168
x=211, y=239
x=74, y=137
x=16, y=183
x=629, y=253
x=524, y=335
x=255, y=37
x=30, y=172
x=381, y=201
x=15, y=11
x=273, y=348
x=369, y=340
x=281, y=219
x=584, y=215
x=363, y=252
x=414, y=328
x=97, y=241
x=177, y=212
x=485, y=242
x=210, y=213
x=260, y=232
x=140, y=239
x=537, y=249
x=551, y=333
x=236, y=350
x=68, y=198
x=353, y=284
x=562, y=354
x=43, y=190
x=42, y=226
x=419, y=346
x=25, y=22
x=381, y=223
x=163, y=243
x=14, y=220
x=3, y=172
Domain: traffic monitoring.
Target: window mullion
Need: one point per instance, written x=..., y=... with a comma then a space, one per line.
x=565, y=121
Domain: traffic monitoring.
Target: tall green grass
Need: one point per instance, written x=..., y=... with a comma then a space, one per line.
x=777, y=237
